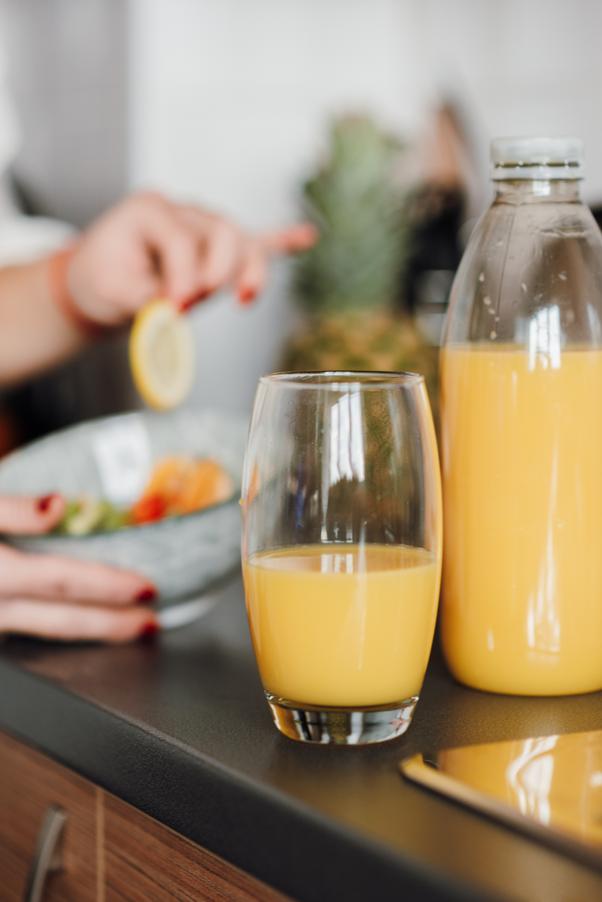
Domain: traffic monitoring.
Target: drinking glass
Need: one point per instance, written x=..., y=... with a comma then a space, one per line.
x=341, y=550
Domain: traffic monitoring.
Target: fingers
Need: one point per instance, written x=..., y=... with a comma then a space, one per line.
x=175, y=246
x=58, y=598
x=223, y=254
x=290, y=240
x=220, y=244
x=30, y=516
x=253, y=273
x=231, y=256
x=74, y=622
x=141, y=288
x=64, y=579
x=198, y=252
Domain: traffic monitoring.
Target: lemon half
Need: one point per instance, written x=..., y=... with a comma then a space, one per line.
x=161, y=351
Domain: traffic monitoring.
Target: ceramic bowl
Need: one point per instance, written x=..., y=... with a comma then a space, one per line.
x=111, y=458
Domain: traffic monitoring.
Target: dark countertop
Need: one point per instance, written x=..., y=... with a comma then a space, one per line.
x=180, y=730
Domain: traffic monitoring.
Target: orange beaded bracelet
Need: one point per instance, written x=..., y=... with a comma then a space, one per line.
x=58, y=266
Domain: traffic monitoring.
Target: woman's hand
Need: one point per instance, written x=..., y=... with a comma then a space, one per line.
x=148, y=246
x=59, y=598
x=145, y=247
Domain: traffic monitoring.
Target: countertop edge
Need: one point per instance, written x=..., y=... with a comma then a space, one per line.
x=254, y=828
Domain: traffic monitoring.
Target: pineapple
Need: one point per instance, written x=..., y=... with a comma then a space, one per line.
x=363, y=340
x=348, y=283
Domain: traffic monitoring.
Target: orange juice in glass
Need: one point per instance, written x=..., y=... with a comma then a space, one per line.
x=342, y=551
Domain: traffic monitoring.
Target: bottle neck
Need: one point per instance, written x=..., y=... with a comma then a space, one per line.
x=525, y=191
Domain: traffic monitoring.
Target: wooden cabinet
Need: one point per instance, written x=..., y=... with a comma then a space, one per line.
x=146, y=862
x=110, y=852
x=29, y=784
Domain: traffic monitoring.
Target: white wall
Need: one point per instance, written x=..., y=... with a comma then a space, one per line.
x=229, y=99
x=531, y=67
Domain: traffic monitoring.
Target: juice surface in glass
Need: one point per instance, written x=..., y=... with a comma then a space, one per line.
x=522, y=479
x=342, y=624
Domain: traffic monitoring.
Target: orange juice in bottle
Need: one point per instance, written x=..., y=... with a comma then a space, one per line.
x=521, y=381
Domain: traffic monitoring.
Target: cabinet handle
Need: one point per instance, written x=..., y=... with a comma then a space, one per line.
x=48, y=854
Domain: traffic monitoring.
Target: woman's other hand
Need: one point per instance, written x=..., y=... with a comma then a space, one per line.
x=59, y=598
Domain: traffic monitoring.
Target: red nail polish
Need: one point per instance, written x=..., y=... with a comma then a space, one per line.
x=149, y=630
x=246, y=295
x=147, y=594
x=44, y=502
x=187, y=303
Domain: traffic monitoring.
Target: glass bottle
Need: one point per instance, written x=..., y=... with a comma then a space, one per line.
x=521, y=375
